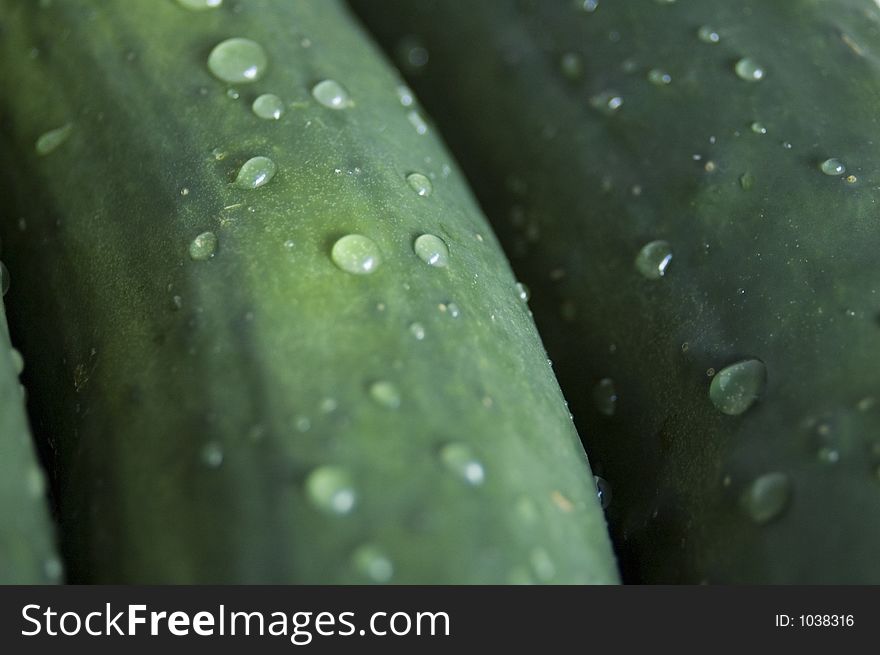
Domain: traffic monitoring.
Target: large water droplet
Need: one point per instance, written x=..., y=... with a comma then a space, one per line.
x=608, y=102
x=331, y=94
x=605, y=397
x=198, y=5
x=356, y=254
x=603, y=491
x=432, y=250
x=373, y=563
x=736, y=387
x=255, y=172
x=766, y=497
x=330, y=489
x=749, y=70
x=49, y=141
x=832, y=167
x=268, y=106
x=385, y=394
x=707, y=34
x=238, y=60
x=653, y=259
x=420, y=184
x=4, y=279
x=203, y=246
x=460, y=459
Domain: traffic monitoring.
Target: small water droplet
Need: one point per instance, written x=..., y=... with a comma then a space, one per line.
x=355, y=253
x=49, y=141
x=238, y=60
x=203, y=246
x=608, y=102
x=828, y=455
x=542, y=564
x=405, y=95
x=460, y=459
x=766, y=497
x=420, y=184
x=199, y=4
x=588, y=6
x=255, y=172
x=758, y=128
x=605, y=397
x=417, y=330
x=572, y=65
x=302, y=423
x=659, y=77
x=522, y=292
x=432, y=250
x=603, y=491
x=385, y=393
x=268, y=106
x=331, y=94
x=415, y=119
x=786, y=145
x=413, y=54
x=4, y=279
x=212, y=454
x=330, y=489
x=373, y=563
x=653, y=259
x=749, y=70
x=17, y=361
x=746, y=181
x=53, y=568
x=451, y=308
x=832, y=167
x=707, y=34
x=736, y=387
x=35, y=482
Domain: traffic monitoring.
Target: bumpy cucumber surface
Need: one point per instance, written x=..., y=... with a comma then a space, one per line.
x=226, y=400
x=590, y=130
x=27, y=537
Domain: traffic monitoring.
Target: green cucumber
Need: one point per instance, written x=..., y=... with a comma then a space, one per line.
x=235, y=391
x=27, y=538
x=590, y=130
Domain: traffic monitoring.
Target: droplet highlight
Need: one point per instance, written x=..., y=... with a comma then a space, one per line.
x=832, y=167
x=331, y=94
x=238, y=60
x=420, y=184
x=659, y=77
x=707, y=34
x=199, y=5
x=203, y=246
x=460, y=459
x=432, y=250
x=255, y=172
x=268, y=107
x=607, y=102
x=357, y=254
x=749, y=70
x=603, y=491
x=653, y=259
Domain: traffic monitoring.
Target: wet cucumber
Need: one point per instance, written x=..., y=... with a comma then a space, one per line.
x=27, y=540
x=590, y=130
x=250, y=362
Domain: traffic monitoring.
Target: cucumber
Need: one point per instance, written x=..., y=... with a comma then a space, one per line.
x=271, y=349
x=602, y=137
x=27, y=539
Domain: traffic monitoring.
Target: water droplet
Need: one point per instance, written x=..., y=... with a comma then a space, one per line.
x=736, y=387
x=302, y=423
x=413, y=54
x=746, y=181
x=588, y=6
x=766, y=497
x=603, y=491
x=460, y=459
x=415, y=119
x=749, y=70
x=607, y=102
x=707, y=34
x=255, y=172
x=49, y=141
x=199, y=4
x=653, y=259
x=605, y=397
x=542, y=564
x=572, y=65
x=405, y=95
x=385, y=394
x=522, y=292
x=331, y=94
x=35, y=482
x=432, y=250
x=417, y=330
x=53, y=568
x=451, y=308
x=758, y=128
x=203, y=246
x=356, y=254
x=268, y=106
x=17, y=361
x=659, y=77
x=372, y=562
x=828, y=455
x=832, y=167
x=238, y=60
x=4, y=279
x=330, y=489
x=420, y=184
x=212, y=454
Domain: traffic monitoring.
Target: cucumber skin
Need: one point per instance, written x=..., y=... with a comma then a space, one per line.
x=800, y=244
x=129, y=389
x=27, y=536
